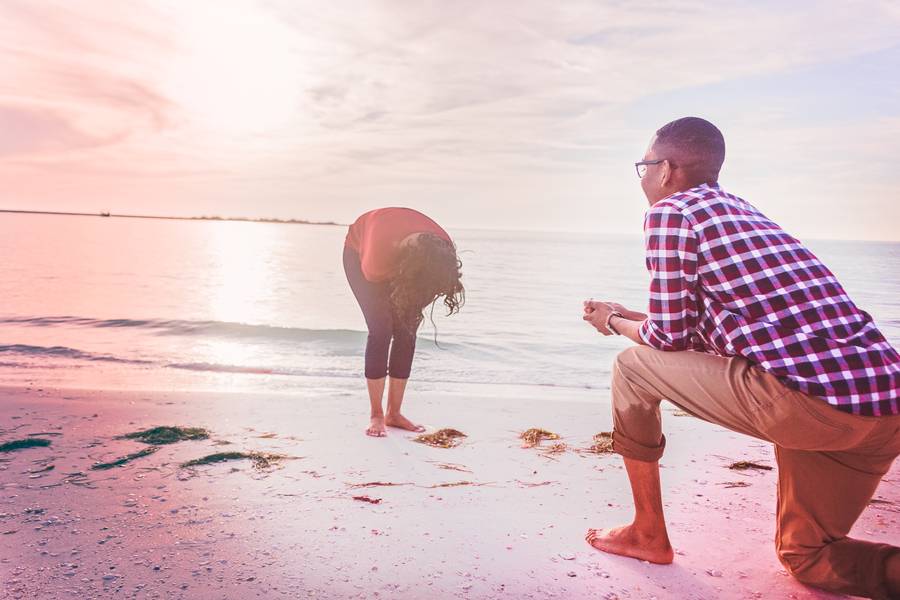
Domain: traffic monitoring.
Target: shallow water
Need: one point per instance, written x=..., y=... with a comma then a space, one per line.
x=155, y=304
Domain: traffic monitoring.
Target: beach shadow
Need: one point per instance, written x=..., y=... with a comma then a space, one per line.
x=673, y=576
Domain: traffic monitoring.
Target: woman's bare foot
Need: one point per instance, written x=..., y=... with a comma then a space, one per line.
x=376, y=427
x=628, y=541
x=402, y=422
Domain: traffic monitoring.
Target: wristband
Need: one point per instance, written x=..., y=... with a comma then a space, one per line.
x=609, y=326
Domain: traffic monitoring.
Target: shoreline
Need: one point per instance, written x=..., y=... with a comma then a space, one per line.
x=170, y=218
x=510, y=525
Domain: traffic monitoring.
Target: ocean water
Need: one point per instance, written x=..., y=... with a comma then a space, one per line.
x=205, y=305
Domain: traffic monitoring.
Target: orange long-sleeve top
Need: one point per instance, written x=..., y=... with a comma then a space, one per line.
x=376, y=236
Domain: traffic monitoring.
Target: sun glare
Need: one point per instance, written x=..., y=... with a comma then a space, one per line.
x=241, y=271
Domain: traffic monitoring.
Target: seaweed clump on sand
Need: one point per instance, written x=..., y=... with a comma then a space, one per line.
x=159, y=436
x=734, y=484
x=22, y=444
x=125, y=459
x=367, y=499
x=603, y=443
x=443, y=438
x=744, y=465
x=554, y=449
x=260, y=460
x=452, y=467
x=371, y=484
x=534, y=436
x=455, y=484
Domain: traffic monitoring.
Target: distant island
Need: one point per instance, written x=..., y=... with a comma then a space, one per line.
x=201, y=218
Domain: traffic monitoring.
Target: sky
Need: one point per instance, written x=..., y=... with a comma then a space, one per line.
x=507, y=114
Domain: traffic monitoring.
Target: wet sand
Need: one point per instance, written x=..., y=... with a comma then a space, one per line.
x=487, y=519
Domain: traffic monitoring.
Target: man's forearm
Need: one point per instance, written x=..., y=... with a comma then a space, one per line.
x=634, y=315
x=627, y=327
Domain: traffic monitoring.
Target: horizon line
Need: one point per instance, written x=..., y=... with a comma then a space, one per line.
x=278, y=221
x=105, y=214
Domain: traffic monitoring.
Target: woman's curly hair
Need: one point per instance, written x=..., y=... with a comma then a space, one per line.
x=426, y=270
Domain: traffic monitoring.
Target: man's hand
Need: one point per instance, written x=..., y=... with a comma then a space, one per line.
x=596, y=313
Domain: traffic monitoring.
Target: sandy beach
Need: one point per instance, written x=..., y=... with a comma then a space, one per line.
x=228, y=227
x=487, y=519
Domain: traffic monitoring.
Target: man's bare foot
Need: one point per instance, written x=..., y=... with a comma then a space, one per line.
x=376, y=427
x=402, y=422
x=628, y=541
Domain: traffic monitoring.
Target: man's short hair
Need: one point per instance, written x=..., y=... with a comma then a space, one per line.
x=695, y=143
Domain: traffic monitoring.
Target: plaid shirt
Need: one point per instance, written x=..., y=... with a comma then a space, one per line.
x=727, y=280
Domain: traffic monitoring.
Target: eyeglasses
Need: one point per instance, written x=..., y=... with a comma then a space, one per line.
x=641, y=167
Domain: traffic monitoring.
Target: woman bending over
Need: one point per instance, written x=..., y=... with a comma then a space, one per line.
x=398, y=262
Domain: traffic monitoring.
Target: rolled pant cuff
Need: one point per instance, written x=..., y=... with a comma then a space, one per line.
x=631, y=449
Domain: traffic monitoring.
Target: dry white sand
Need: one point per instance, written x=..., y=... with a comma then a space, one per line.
x=151, y=529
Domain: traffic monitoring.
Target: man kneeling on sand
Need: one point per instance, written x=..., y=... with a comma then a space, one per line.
x=749, y=330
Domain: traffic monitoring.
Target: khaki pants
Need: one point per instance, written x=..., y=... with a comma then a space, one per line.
x=829, y=462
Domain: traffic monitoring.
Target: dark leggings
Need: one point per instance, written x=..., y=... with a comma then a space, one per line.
x=375, y=301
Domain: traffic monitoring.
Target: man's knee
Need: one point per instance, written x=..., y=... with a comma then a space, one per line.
x=845, y=565
x=636, y=431
x=630, y=357
x=813, y=565
x=629, y=361
x=627, y=373
x=797, y=561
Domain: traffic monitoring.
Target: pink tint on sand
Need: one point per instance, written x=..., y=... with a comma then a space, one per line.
x=153, y=527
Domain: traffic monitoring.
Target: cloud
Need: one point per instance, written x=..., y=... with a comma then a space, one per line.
x=322, y=109
x=75, y=80
x=28, y=131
